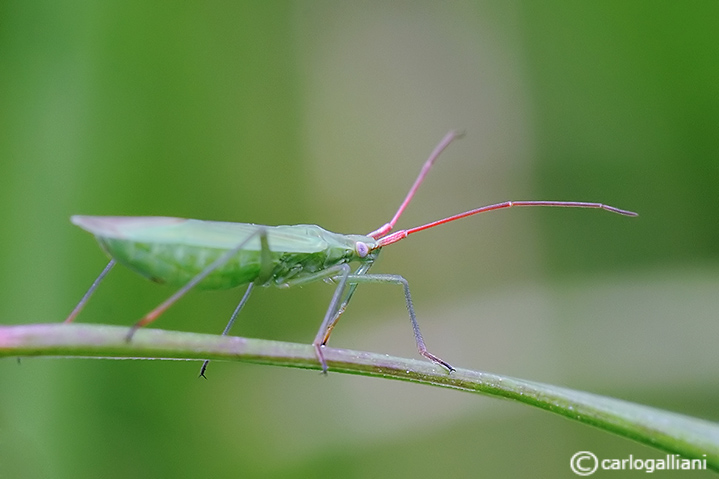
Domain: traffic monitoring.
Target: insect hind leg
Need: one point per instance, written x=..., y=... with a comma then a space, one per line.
x=222, y=260
x=89, y=292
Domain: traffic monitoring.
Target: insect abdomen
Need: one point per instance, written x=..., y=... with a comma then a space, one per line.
x=176, y=265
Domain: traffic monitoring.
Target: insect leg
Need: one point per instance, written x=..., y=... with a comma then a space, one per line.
x=341, y=309
x=332, y=311
x=339, y=273
x=239, y=307
x=397, y=279
x=348, y=295
x=265, y=275
x=346, y=285
x=224, y=258
x=89, y=292
x=341, y=298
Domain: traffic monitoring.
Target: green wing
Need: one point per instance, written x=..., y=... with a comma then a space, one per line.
x=208, y=234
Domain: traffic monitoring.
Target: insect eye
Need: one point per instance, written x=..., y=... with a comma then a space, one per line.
x=362, y=249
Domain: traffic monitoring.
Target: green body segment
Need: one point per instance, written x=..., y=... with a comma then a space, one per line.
x=175, y=250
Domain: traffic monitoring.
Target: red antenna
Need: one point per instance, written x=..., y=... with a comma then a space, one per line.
x=448, y=138
x=384, y=239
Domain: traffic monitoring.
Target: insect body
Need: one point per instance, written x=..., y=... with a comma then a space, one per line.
x=176, y=250
x=219, y=255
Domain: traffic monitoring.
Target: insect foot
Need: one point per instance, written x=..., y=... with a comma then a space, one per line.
x=439, y=361
x=320, y=357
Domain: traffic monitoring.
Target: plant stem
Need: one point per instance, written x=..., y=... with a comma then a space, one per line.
x=675, y=433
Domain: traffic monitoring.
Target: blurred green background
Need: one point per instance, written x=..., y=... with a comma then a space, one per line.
x=323, y=112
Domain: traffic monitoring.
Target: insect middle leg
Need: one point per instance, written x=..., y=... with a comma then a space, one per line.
x=264, y=276
x=237, y=310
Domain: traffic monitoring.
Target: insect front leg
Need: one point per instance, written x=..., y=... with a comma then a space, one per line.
x=354, y=279
x=362, y=270
x=340, y=272
x=332, y=314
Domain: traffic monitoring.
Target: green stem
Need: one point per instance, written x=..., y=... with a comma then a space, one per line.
x=674, y=433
